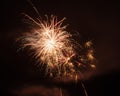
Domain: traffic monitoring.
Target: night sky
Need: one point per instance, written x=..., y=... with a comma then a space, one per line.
x=98, y=21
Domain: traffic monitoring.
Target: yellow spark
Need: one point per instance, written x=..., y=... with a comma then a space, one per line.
x=70, y=64
x=76, y=78
x=90, y=56
x=88, y=44
x=93, y=66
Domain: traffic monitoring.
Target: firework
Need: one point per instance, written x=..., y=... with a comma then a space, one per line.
x=54, y=47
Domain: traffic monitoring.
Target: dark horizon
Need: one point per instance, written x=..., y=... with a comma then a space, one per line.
x=96, y=20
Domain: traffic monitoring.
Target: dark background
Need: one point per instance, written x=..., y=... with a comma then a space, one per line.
x=98, y=21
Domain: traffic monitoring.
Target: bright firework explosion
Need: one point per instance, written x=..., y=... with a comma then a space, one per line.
x=54, y=47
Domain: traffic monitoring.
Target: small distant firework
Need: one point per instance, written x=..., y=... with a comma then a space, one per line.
x=56, y=48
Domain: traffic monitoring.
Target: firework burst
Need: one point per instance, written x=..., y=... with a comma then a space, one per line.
x=54, y=46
